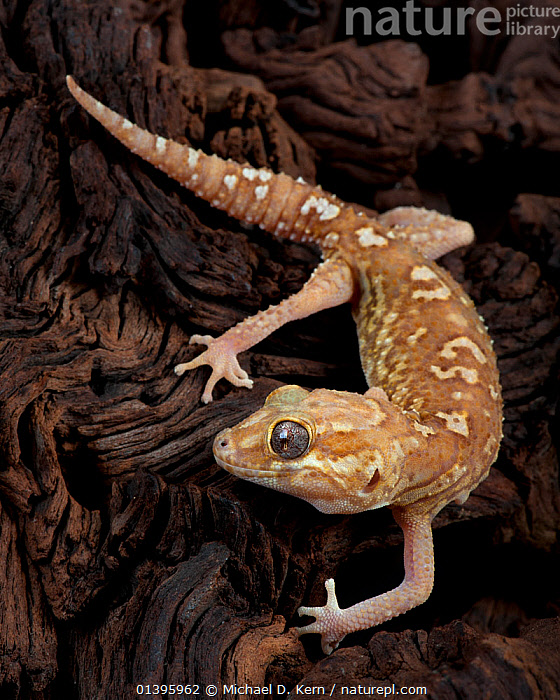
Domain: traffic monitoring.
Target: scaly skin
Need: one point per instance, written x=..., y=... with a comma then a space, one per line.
x=429, y=427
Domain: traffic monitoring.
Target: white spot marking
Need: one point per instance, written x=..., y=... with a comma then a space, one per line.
x=230, y=181
x=193, y=158
x=456, y=421
x=367, y=238
x=440, y=293
x=331, y=240
x=326, y=210
x=491, y=445
x=331, y=211
x=423, y=273
x=417, y=334
x=306, y=206
x=424, y=429
x=160, y=145
x=449, y=351
x=469, y=375
x=264, y=175
x=390, y=318
x=126, y=124
x=457, y=319
x=249, y=173
x=261, y=191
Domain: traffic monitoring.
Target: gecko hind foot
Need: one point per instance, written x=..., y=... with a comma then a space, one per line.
x=327, y=620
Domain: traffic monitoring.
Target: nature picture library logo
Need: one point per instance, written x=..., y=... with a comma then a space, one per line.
x=518, y=19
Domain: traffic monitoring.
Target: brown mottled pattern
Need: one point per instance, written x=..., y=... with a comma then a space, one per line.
x=412, y=348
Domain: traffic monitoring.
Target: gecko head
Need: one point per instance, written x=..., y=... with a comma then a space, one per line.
x=334, y=449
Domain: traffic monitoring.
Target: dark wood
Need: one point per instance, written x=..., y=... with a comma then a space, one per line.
x=126, y=555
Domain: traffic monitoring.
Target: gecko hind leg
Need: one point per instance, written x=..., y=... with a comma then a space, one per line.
x=334, y=623
x=433, y=234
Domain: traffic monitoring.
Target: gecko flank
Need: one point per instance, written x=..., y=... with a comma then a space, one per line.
x=429, y=427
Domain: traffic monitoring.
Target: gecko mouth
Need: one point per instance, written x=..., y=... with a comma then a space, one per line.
x=246, y=473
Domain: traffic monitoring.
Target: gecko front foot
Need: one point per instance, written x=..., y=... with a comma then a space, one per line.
x=328, y=619
x=223, y=362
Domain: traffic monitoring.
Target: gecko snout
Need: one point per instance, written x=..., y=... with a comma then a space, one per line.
x=221, y=443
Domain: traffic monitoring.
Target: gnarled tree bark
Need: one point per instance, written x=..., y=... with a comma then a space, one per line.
x=128, y=557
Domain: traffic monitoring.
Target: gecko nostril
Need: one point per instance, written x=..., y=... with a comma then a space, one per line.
x=224, y=442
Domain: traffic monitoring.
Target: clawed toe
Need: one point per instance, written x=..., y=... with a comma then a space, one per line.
x=201, y=340
x=182, y=368
x=327, y=620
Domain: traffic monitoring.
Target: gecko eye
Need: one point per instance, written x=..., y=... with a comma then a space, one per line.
x=289, y=439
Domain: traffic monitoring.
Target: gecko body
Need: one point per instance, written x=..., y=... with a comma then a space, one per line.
x=429, y=427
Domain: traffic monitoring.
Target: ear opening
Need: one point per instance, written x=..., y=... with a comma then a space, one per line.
x=375, y=479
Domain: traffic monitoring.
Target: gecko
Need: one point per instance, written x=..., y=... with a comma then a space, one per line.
x=428, y=428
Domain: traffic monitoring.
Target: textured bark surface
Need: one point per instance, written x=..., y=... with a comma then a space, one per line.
x=126, y=555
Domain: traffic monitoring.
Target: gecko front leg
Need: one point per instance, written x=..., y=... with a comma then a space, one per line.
x=330, y=284
x=334, y=623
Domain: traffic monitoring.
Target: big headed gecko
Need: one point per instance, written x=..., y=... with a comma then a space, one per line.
x=429, y=427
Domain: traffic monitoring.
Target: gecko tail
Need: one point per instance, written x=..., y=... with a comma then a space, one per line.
x=276, y=202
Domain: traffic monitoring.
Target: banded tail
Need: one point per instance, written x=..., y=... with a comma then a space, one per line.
x=277, y=203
